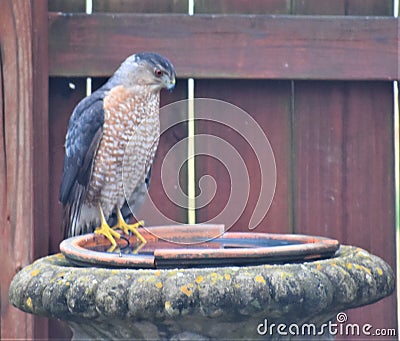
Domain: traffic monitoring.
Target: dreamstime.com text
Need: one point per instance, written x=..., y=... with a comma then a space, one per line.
x=340, y=328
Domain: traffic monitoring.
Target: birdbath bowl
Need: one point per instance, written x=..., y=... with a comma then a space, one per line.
x=194, y=246
x=199, y=282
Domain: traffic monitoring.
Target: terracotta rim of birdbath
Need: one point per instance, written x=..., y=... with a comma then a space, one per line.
x=197, y=245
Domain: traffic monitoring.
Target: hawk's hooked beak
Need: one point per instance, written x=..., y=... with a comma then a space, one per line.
x=171, y=84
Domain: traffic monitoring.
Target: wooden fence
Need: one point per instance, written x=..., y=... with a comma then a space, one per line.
x=316, y=75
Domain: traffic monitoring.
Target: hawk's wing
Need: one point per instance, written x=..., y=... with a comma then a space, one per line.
x=83, y=138
x=84, y=134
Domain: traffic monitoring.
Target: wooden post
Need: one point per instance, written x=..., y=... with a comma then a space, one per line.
x=24, y=212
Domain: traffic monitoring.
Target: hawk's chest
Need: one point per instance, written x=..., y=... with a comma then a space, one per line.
x=127, y=148
x=130, y=117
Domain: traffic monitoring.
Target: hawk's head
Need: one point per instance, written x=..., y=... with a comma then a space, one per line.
x=146, y=68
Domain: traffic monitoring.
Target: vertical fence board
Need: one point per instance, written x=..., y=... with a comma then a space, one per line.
x=16, y=229
x=369, y=167
x=40, y=147
x=40, y=127
x=24, y=156
x=318, y=171
x=269, y=104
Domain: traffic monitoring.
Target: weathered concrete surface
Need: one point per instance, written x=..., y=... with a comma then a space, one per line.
x=208, y=303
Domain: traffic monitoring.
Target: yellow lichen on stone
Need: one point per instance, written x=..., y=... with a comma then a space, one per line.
x=35, y=272
x=159, y=285
x=319, y=267
x=158, y=273
x=363, y=268
x=199, y=279
x=187, y=289
x=286, y=275
x=260, y=279
x=114, y=272
x=167, y=305
x=29, y=303
x=215, y=277
x=349, y=265
x=380, y=272
x=227, y=277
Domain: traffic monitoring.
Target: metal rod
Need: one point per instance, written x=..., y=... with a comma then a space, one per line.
x=191, y=145
x=89, y=10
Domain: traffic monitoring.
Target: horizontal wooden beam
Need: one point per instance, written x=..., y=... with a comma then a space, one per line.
x=228, y=46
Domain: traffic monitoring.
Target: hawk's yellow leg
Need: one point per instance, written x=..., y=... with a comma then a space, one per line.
x=106, y=230
x=121, y=224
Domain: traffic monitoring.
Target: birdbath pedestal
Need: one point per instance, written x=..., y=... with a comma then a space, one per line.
x=203, y=302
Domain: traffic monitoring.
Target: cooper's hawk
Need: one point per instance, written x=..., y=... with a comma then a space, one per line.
x=110, y=145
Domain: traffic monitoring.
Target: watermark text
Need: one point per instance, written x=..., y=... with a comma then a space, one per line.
x=338, y=327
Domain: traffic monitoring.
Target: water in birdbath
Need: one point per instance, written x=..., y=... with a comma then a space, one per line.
x=130, y=245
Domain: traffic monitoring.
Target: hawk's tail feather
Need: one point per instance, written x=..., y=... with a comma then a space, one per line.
x=72, y=211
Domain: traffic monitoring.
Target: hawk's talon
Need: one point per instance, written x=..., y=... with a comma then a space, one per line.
x=107, y=231
x=121, y=224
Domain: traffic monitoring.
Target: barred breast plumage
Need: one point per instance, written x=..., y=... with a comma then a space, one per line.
x=126, y=151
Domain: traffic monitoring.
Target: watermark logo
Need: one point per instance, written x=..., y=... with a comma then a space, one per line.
x=340, y=327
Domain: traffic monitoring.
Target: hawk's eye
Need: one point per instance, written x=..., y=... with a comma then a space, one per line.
x=158, y=72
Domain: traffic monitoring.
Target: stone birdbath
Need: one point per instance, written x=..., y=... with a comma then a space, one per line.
x=234, y=286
